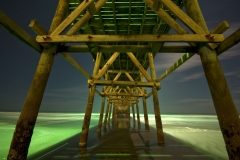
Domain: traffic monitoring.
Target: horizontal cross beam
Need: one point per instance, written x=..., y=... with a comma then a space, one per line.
x=129, y=48
x=123, y=94
x=212, y=38
x=124, y=83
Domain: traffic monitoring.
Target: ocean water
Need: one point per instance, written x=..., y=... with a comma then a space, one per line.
x=200, y=131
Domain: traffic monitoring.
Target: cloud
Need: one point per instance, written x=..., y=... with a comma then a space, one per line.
x=233, y=27
x=191, y=77
x=232, y=73
x=198, y=102
x=73, y=92
x=164, y=61
x=237, y=90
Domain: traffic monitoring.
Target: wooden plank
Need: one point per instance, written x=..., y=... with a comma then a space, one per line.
x=168, y=19
x=71, y=17
x=107, y=65
x=223, y=26
x=131, y=79
x=18, y=32
x=139, y=90
x=129, y=48
x=151, y=65
x=115, y=79
x=212, y=38
x=122, y=94
x=123, y=83
x=116, y=71
x=75, y=64
x=149, y=94
x=139, y=66
x=86, y=17
x=99, y=93
x=177, y=64
x=192, y=25
x=156, y=5
x=117, y=76
x=129, y=76
x=229, y=42
x=115, y=90
x=220, y=28
x=37, y=28
x=155, y=47
x=92, y=9
x=119, y=90
x=183, y=17
x=108, y=88
x=97, y=64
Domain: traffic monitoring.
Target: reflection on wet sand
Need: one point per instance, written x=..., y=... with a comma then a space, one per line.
x=122, y=140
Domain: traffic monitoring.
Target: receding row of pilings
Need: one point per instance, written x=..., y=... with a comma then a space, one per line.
x=226, y=111
x=111, y=109
x=87, y=117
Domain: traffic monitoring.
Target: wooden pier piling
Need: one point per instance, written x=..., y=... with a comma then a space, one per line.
x=225, y=108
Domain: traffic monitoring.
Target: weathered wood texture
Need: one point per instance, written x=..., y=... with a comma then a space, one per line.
x=123, y=83
x=145, y=113
x=101, y=115
x=110, y=111
x=156, y=106
x=225, y=108
x=88, y=112
x=106, y=114
x=213, y=38
x=27, y=119
x=17, y=31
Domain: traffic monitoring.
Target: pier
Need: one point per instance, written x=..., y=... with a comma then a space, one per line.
x=123, y=40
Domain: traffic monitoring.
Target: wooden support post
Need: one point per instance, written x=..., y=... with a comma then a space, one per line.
x=138, y=117
x=128, y=113
x=110, y=111
x=113, y=116
x=27, y=119
x=87, y=117
x=133, y=112
x=101, y=115
x=106, y=114
x=145, y=112
x=144, y=105
x=225, y=108
x=88, y=112
x=158, y=120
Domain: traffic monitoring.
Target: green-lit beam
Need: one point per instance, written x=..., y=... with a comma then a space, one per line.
x=177, y=64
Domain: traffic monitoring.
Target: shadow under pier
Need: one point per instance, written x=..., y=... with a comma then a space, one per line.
x=121, y=140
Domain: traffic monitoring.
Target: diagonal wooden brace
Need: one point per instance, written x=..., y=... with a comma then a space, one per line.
x=139, y=66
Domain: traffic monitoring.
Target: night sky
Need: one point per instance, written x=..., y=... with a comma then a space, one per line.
x=183, y=91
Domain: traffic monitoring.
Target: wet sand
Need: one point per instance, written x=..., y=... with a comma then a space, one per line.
x=122, y=139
